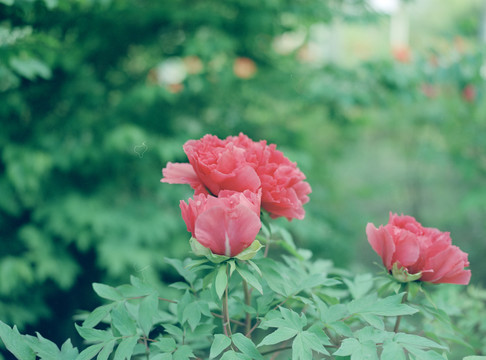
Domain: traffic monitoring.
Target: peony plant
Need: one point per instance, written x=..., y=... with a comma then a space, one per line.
x=234, y=301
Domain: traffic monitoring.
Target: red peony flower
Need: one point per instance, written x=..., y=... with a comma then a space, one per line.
x=417, y=252
x=226, y=224
x=239, y=163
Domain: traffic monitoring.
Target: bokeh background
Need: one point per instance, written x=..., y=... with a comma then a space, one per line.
x=381, y=104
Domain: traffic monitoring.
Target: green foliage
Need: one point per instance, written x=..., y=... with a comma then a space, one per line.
x=88, y=117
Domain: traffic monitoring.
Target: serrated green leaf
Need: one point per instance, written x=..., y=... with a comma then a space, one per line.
x=94, y=335
x=106, y=351
x=246, y=346
x=107, y=292
x=221, y=281
x=122, y=321
x=279, y=335
x=97, y=315
x=124, y=350
x=15, y=343
x=147, y=311
x=220, y=343
x=90, y=352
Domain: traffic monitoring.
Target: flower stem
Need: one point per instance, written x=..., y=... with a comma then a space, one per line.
x=226, y=318
x=248, y=303
x=399, y=317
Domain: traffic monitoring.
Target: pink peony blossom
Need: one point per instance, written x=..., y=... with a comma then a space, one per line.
x=226, y=224
x=428, y=252
x=238, y=163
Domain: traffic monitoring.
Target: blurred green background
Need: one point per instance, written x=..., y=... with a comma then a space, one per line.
x=380, y=103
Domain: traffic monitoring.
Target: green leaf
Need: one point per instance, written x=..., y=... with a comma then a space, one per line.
x=94, y=335
x=97, y=315
x=474, y=358
x=299, y=350
x=68, y=352
x=192, y=314
x=389, y=306
x=374, y=321
x=255, y=267
x=221, y=281
x=45, y=349
x=122, y=321
x=246, y=346
x=417, y=341
x=90, y=352
x=341, y=328
x=220, y=343
x=334, y=313
x=250, y=252
x=183, y=353
x=15, y=343
x=233, y=355
x=306, y=341
x=106, y=351
x=392, y=350
x=125, y=348
x=250, y=279
x=348, y=346
x=107, y=292
x=165, y=344
x=147, y=311
x=279, y=335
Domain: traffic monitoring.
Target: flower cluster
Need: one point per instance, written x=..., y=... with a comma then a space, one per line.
x=413, y=252
x=232, y=179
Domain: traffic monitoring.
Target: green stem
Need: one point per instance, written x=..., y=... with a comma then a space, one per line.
x=226, y=318
x=399, y=317
x=248, y=303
